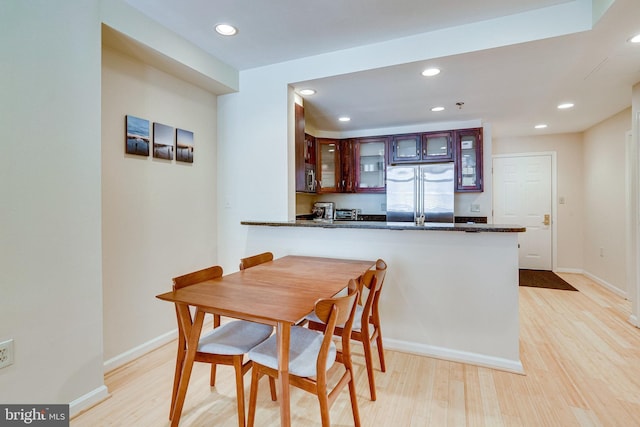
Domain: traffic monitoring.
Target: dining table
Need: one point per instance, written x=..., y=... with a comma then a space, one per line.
x=279, y=293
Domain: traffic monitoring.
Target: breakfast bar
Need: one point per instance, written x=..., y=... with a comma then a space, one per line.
x=451, y=289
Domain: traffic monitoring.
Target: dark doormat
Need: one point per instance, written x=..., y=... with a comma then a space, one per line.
x=543, y=279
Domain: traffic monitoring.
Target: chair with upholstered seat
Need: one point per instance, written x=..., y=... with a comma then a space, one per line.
x=254, y=260
x=311, y=355
x=224, y=345
x=366, y=325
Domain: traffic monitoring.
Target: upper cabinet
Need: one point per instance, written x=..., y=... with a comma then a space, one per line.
x=468, y=147
x=305, y=155
x=371, y=160
x=422, y=147
x=328, y=165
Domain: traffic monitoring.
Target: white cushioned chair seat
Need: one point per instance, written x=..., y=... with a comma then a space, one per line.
x=357, y=319
x=304, y=346
x=236, y=337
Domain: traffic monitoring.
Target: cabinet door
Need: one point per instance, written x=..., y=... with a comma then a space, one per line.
x=328, y=166
x=468, y=160
x=437, y=147
x=406, y=148
x=300, y=149
x=370, y=164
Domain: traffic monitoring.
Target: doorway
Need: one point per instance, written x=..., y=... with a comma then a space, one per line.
x=523, y=194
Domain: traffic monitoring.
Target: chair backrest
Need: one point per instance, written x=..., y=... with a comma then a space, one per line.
x=373, y=281
x=332, y=312
x=255, y=260
x=197, y=276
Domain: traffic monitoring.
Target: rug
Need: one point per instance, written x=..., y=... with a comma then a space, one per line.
x=543, y=279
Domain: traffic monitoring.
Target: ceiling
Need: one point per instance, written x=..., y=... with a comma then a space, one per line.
x=513, y=88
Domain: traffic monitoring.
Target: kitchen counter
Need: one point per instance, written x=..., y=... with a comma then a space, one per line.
x=431, y=226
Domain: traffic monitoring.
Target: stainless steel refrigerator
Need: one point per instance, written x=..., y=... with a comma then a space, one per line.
x=416, y=190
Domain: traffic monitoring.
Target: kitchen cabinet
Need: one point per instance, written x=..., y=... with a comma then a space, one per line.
x=305, y=160
x=329, y=172
x=422, y=147
x=468, y=148
x=370, y=164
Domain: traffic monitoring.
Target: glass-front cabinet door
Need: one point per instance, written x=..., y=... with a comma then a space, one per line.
x=328, y=167
x=469, y=160
x=437, y=147
x=371, y=161
x=406, y=148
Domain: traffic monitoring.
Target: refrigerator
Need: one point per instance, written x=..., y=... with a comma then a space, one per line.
x=415, y=190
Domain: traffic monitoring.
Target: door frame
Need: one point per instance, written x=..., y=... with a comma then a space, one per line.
x=554, y=197
x=632, y=177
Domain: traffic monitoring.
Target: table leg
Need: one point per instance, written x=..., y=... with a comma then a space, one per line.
x=283, y=335
x=187, y=366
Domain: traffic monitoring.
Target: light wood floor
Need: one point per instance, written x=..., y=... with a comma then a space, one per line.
x=581, y=357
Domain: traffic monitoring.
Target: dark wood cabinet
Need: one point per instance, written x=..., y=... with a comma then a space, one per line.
x=329, y=172
x=422, y=147
x=370, y=156
x=468, y=148
x=305, y=159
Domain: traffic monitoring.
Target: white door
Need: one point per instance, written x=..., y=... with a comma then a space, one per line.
x=522, y=195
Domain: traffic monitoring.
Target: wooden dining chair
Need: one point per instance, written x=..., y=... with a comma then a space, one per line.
x=366, y=326
x=224, y=345
x=311, y=355
x=254, y=260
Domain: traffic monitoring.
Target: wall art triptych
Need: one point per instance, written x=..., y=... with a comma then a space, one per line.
x=138, y=140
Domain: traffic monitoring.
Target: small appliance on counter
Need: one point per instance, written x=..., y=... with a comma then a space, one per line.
x=323, y=211
x=347, y=214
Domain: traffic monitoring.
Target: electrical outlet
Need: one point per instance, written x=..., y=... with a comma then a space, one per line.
x=6, y=353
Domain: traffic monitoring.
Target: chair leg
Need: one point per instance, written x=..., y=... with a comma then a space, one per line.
x=323, y=399
x=253, y=394
x=237, y=364
x=354, y=399
x=272, y=387
x=383, y=367
x=212, y=381
x=368, y=358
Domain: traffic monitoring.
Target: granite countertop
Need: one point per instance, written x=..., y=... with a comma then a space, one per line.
x=429, y=226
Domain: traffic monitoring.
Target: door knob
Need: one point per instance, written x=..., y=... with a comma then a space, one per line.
x=547, y=219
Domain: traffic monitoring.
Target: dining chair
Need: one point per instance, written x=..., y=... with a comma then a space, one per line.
x=311, y=355
x=366, y=325
x=225, y=345
x=254, y=260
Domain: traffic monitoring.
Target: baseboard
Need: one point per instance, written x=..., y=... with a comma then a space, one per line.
x=134, y=353
x=87, y=401
x=606, y=285
x=514, y=366
x=569, y=270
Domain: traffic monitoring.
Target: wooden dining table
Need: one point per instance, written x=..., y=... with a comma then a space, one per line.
x=279, y=292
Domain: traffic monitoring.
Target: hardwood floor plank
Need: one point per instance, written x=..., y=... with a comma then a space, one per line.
x=580, y=355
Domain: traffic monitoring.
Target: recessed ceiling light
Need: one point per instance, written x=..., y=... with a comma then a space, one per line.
x=565, y=106
x=306, y=92
x=430, y=72
x=226, y=29
x=437, y=109
x=635, y=39
x=541, y=126
x=344, y=119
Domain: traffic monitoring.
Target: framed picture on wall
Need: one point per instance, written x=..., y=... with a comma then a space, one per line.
x=137, y=136
x=162, y=141
x=184, y=146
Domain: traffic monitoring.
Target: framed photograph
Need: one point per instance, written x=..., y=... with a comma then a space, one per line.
x=162, y=141
x=184, y=146
x=137, y=138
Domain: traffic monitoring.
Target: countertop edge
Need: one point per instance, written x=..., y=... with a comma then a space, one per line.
x=374, y=225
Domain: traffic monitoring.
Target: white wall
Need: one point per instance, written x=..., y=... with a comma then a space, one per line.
x=50, y=238
x=158, y=216
x=570, y=225
x=604, y=207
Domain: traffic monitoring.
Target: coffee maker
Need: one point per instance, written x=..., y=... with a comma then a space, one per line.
x=323, y=211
